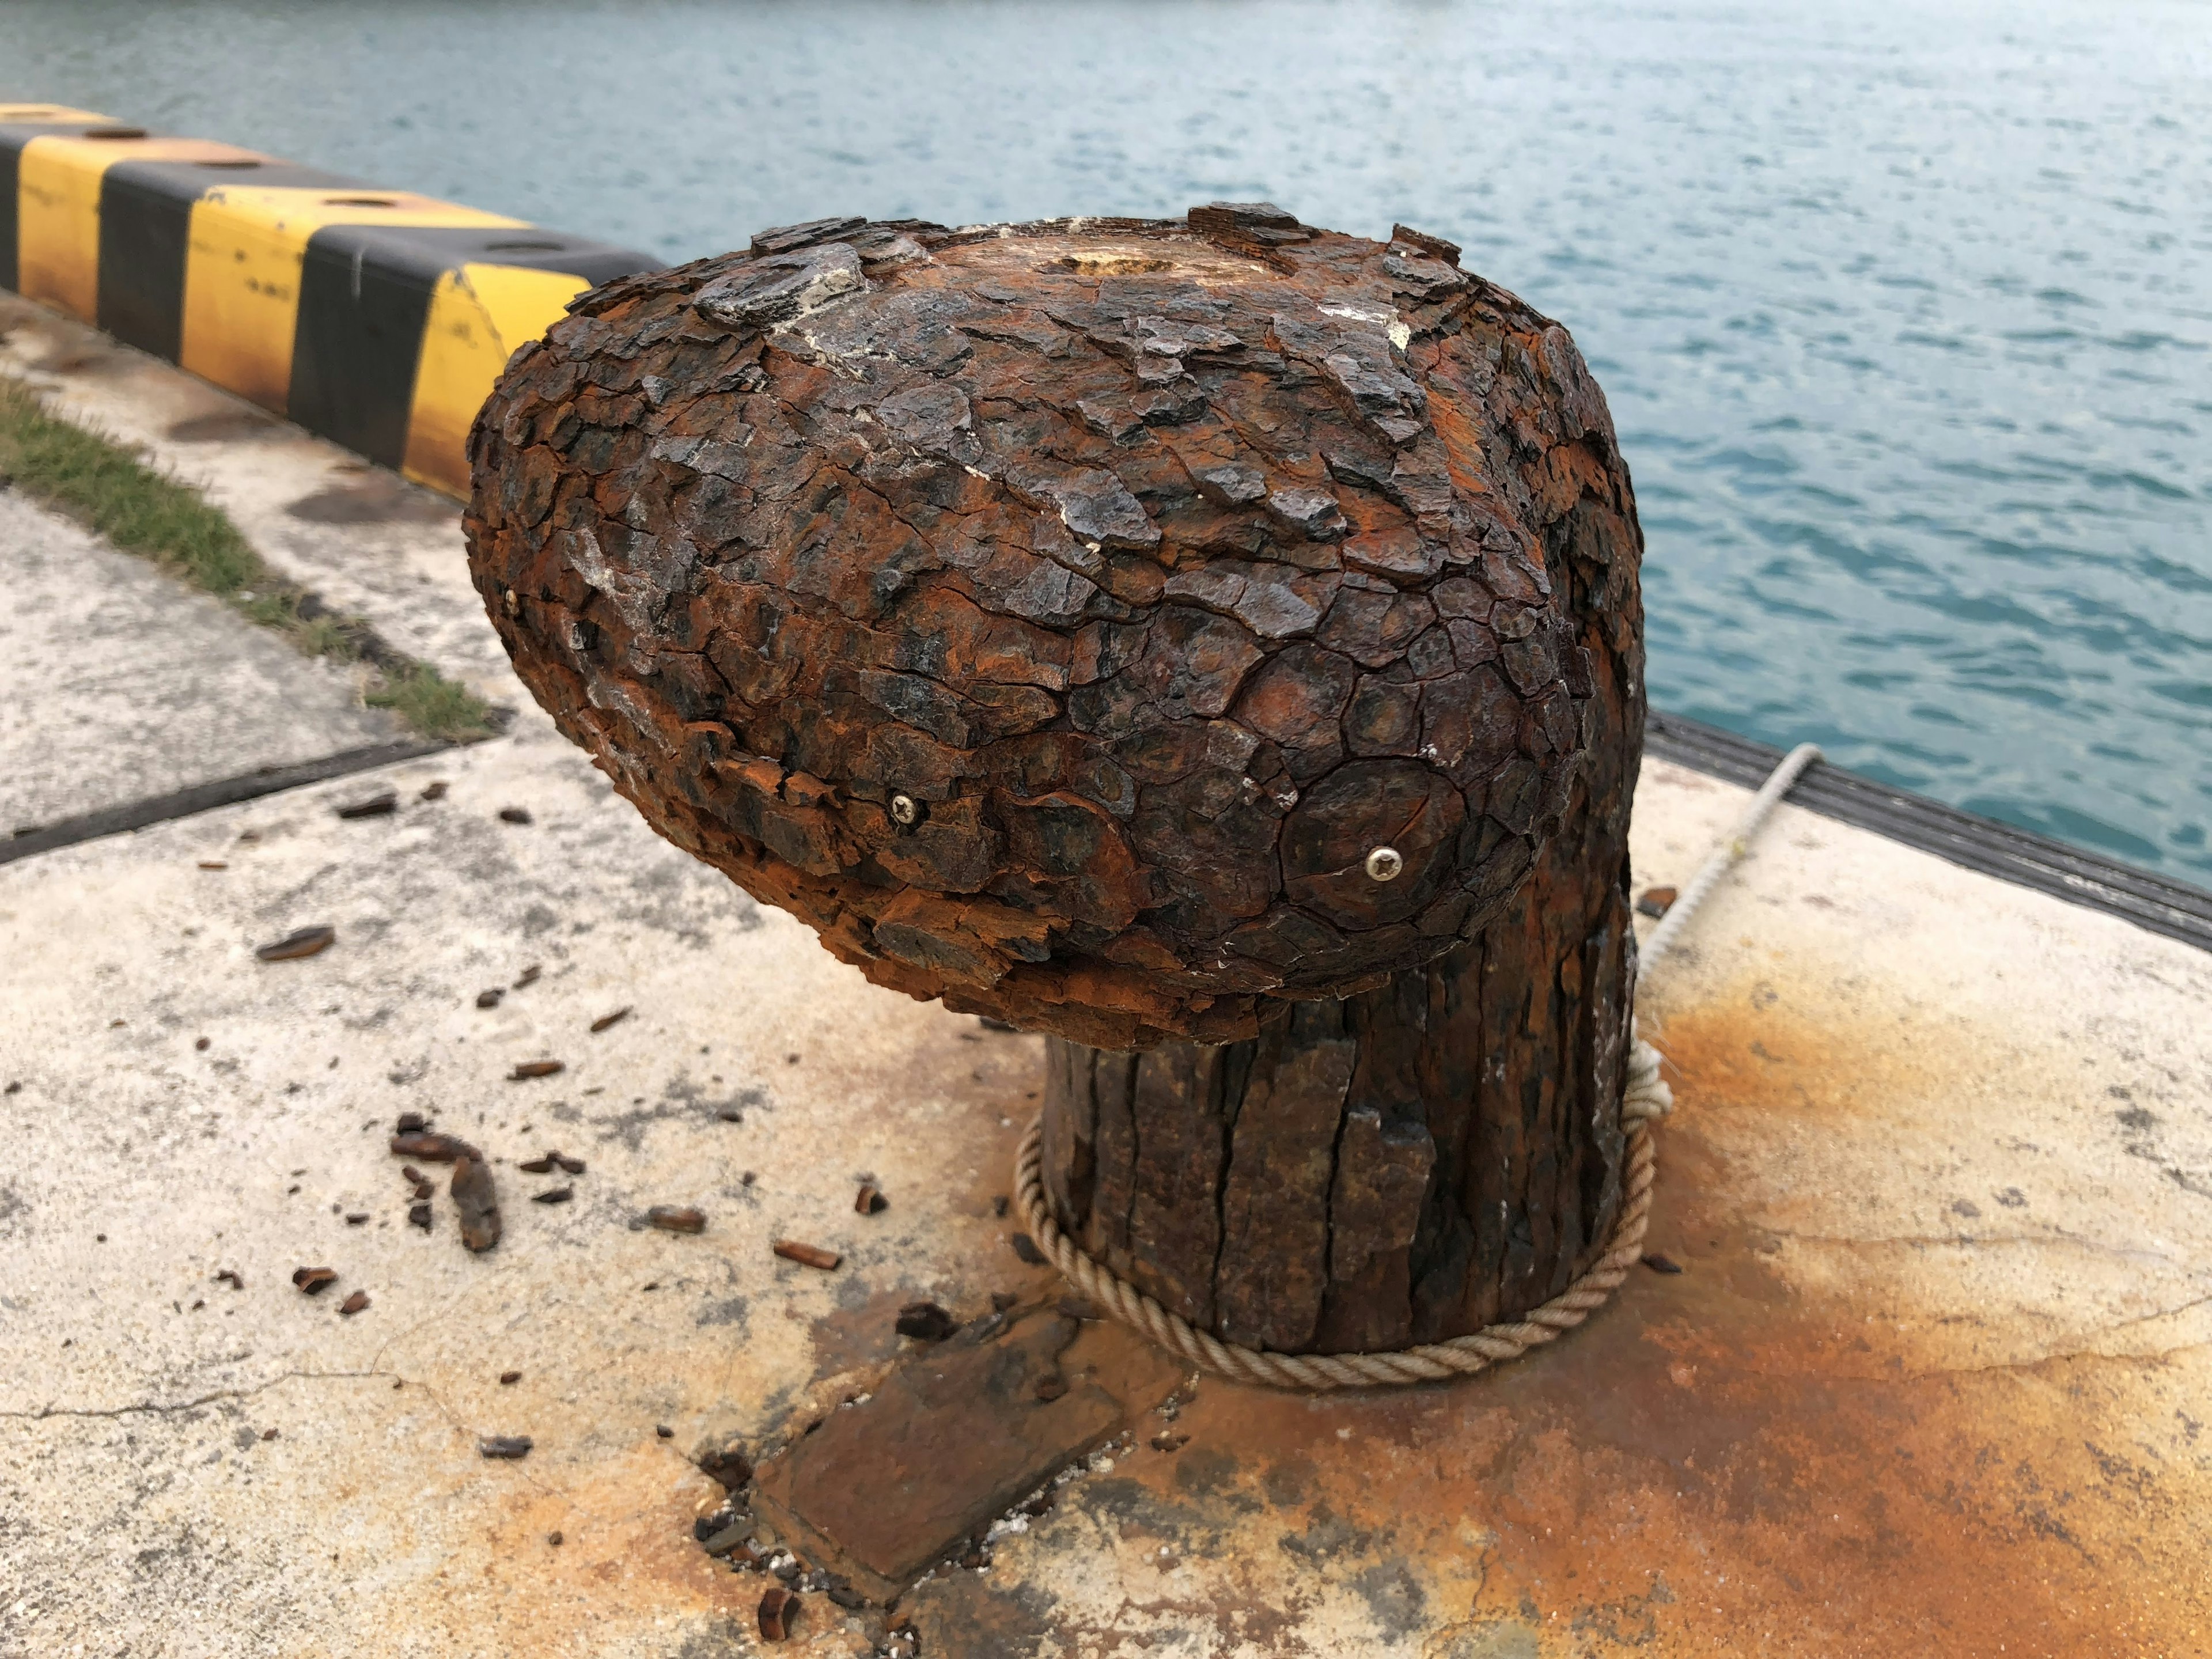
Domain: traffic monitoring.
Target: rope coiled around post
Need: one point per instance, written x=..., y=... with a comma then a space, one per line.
x=1645, y=1098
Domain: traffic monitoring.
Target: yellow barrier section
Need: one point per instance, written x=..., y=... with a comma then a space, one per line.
x=479, y=316
x=242, y=275
x=57, y=185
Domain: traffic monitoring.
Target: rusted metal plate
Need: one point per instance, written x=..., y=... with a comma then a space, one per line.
x=889, y=1486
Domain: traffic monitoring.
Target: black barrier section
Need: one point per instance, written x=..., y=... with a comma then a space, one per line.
x=145, y=230
x=365, y=293
x=14, y=135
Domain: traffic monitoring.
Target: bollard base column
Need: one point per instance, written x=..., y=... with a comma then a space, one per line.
x=1403, y=1166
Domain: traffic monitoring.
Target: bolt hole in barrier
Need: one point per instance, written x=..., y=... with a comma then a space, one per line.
x=376, y=319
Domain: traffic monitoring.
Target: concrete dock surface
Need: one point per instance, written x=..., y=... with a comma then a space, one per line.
x=1935, y=1374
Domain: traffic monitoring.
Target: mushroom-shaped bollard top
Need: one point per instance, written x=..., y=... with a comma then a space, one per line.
x=1107, y=625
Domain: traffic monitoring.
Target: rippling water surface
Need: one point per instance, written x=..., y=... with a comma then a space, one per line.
x=1905, y=311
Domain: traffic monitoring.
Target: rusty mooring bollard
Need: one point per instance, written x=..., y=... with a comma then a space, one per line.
x=1216, y=645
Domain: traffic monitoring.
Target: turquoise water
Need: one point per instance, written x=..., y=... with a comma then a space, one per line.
x=1905, y=311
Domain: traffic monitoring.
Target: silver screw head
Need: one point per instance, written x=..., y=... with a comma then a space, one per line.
x=1385, y=864
x=905, y=810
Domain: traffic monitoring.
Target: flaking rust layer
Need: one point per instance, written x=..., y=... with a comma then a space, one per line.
x=1056, y=616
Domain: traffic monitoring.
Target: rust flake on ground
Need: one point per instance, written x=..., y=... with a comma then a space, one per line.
x=1725, y=1462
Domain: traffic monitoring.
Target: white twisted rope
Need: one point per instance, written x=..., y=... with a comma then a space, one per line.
x=1645, y=1098
x=1723, y=858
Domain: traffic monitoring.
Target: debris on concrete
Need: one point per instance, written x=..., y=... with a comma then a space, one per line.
x=528, y=976
x=779, y=1609
x=605, y=1021
x=431, y=1146
x=1660, y=1264
x=728, y=1538
x=301, y=942
x=1026, y=1248
x=514, y=815
x=507, y=1379
x=547, y=1163
x=676, y=1218
x=870, y=1201
x=433, y=790
x=1656, y=901
x=807, y=1256
x=230, y=1276
x=528, y=1069
x=510, y=1446
x=354, y=1303
x=490, y=998
x=553, y=1196
x=478, y=1201
x=380, y=804
x=314, y=1280
x=418, y=1215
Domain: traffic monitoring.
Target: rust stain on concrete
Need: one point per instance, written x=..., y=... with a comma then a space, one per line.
x=1737, y=1460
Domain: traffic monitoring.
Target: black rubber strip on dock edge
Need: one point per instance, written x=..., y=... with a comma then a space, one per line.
x=2019, y=856
x=206, y=797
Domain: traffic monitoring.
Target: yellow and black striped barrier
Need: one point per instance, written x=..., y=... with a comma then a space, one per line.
x=377, y=319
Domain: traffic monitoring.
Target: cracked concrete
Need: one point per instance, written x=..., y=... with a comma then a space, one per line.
x=1933, y=1378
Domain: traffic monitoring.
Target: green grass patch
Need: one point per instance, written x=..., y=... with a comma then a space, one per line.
x=431, y=703
x=109, y=487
